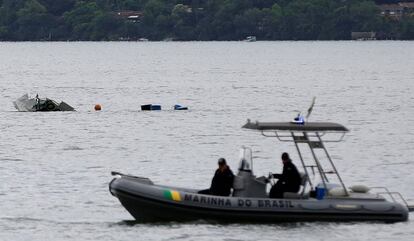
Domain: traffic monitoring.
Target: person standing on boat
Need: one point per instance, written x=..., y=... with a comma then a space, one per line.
x=289, y=180
x=222, y=182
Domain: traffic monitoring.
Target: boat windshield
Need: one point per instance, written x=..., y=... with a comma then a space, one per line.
x=246, y=160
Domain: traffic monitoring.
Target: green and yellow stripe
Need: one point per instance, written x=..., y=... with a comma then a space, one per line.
x=172, y=195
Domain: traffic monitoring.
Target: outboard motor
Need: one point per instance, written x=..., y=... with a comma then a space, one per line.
x=245, y=183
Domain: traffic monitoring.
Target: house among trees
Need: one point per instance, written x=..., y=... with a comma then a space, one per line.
x=131, y=16
x=391, y=10
x=397, y=10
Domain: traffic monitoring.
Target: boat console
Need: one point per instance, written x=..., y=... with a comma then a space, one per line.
x=246, y=184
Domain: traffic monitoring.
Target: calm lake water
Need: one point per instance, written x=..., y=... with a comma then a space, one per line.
x=55, y=167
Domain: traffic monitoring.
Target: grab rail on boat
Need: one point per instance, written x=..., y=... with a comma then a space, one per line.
x=394, y=198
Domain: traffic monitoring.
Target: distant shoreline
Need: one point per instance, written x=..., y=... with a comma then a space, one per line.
x=202, y=41
x=218, y=20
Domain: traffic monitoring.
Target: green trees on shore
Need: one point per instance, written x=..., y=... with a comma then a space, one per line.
x=22, y=20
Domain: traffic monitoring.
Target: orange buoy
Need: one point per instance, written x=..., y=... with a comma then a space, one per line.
x=98, y=107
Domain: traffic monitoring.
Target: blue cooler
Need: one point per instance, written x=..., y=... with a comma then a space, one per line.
x=320, y=192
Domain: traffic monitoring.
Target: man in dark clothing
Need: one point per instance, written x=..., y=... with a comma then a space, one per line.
x=222, y=181
x=289, y=180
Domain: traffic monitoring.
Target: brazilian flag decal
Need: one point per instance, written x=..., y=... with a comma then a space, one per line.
x=172, y=195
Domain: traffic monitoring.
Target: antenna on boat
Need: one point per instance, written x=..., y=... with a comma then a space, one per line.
x=310, y=108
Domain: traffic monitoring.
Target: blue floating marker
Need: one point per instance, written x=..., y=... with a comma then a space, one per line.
x=180, y=107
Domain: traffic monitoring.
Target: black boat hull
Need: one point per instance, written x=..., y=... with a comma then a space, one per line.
x=145, y=203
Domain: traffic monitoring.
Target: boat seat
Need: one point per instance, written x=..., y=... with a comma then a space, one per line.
x=301, y=194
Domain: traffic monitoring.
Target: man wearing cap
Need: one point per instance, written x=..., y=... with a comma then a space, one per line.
x=222, y=181
x=289, y=180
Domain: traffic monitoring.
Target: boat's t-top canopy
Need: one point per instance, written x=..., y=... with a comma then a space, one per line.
x=290, y=126
x=293, y=131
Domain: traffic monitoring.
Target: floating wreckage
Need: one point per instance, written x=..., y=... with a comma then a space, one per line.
x=150, y=107
x=180, y=107
x=25, y=103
